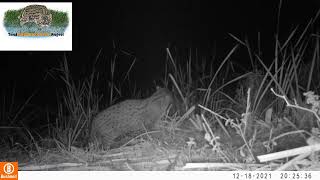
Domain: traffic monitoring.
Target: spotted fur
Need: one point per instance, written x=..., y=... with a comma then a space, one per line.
x=130, y=116
x=38, y=14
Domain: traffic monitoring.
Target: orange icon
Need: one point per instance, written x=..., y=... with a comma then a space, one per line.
x=8, y=170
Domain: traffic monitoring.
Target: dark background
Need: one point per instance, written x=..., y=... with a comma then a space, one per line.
x=146, y=28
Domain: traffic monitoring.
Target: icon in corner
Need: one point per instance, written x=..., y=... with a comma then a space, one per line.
x=8, y=170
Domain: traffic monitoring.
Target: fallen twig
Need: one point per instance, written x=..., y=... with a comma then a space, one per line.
x=289, y=153
x=233, y=166
x=295, y=105
x=292, y=162
x=49, y=166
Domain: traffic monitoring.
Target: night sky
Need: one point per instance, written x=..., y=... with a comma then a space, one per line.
x=146, y=28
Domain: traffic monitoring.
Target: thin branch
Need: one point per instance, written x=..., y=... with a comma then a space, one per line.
x=295, y=105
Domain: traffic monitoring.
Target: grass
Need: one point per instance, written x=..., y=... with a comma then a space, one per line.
x=14, y=132
x=59, y=19
x=78, y=103
x=11, y=17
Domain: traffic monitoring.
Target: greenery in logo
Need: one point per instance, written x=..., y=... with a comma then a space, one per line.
x=36, y=19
